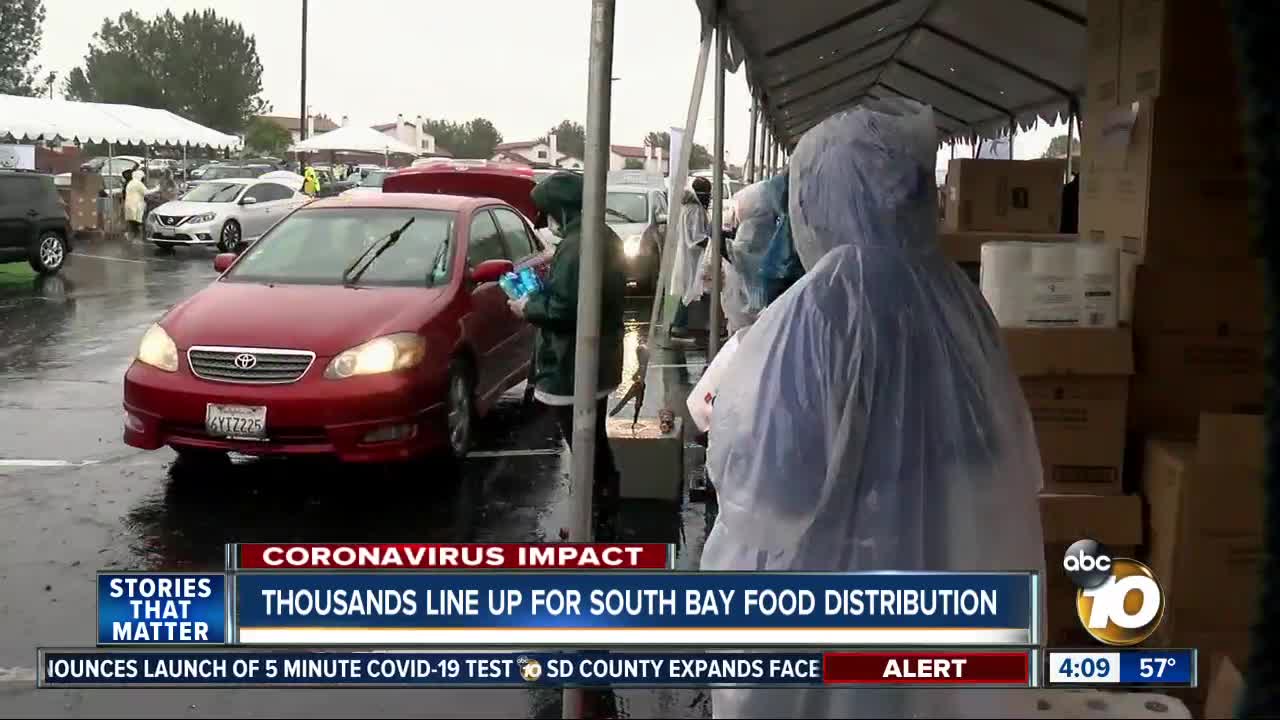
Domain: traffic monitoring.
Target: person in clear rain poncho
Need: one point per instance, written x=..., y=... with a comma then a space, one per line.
x=870, y=419
x=687, y=282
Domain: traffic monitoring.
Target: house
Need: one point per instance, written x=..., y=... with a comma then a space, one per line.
x=413, y=134
x=569, y=162
x=532, y=151
x=316, y=124
x=650, y=158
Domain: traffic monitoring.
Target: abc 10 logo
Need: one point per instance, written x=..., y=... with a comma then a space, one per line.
x=1119, y=601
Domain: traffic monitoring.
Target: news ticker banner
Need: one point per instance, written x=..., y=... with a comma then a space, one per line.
x=1135, y=668
x=70, y=668
x=561, y=609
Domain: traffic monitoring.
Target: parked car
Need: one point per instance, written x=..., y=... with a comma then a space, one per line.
x=638, y=214
x=226, y=171
x=229, y=213
x=34, y=222
x=370, y=183
x=369, y=329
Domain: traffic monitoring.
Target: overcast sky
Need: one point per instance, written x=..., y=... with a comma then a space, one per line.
x=520, y=63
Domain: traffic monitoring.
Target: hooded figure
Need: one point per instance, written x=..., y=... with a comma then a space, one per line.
x=874, y=421
x=781, y=266
x=135, y=199
x=311, y=182
x=695, y=232
x=554, y=311
x=743, y=296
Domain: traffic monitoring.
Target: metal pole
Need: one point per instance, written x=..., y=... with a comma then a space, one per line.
x=302, y=116
x=750, y=172
x=1013, y=130
x=1071, y=121
x=590, y=280
x=717, y=190
x=679, y=175
x=764, y=140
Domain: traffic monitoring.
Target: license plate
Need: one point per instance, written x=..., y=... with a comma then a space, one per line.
x=163, y=232
x=238, y=422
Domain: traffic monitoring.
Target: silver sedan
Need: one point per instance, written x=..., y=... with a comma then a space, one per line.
x=227, y=213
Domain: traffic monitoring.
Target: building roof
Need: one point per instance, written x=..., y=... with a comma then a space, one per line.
x=519, y=145
x=323, y=123
x=512, y=157
x=628, y=151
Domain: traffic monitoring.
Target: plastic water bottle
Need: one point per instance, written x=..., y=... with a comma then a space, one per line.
x=510, y=285
x=529, y=278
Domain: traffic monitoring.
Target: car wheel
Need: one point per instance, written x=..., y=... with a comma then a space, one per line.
x=229, y=238
x=49, y=253
x=462, y=409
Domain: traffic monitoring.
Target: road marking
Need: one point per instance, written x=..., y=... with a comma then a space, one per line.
x=513, y=453
x=45, y=463
x=104, y=257
x=17, y=675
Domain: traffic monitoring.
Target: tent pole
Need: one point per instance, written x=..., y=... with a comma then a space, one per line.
x=679, y=174
x=749, y=174
x=1071, y=122
x=1013, y=130
x=590, y=281
x=717, y=190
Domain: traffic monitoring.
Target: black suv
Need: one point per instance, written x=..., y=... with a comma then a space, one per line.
x=33, y=221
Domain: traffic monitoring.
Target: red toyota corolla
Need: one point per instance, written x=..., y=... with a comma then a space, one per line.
x=370, y=328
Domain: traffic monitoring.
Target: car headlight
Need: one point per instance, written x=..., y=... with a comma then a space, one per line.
x=201, y=218
x=379, y=355
x=631, y=246
x=158, y=350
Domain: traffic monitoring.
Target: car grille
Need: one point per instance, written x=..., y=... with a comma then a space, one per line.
x=169, y=220
x=249, y=365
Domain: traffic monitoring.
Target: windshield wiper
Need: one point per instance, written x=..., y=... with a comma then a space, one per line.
x=381, y=246
x=624, y=216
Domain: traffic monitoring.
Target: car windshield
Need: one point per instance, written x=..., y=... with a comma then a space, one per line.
x=224, y=172
x=374, y=179
x=314, y=247
x=626, y=207
x=214, y=192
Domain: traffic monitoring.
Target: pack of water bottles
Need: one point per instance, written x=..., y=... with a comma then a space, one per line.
x=520, y=284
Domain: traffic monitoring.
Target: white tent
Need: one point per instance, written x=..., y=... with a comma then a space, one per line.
x=32, y=119
x=355, y=139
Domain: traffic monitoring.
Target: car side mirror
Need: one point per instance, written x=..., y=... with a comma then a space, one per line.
x=660, y=218
x=490, y=270
x=222, y=261
x=249, y=201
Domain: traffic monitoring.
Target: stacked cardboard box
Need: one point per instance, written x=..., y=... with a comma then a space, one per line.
x=1076, y=382
x=83, y=204
x=1023, y=196
x=1113, y=520
x=1176, y=207
x=1205, y=545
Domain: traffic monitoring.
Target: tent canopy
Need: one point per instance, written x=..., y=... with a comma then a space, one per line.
x=33, y=119
x=982, y=65
x=354, y=139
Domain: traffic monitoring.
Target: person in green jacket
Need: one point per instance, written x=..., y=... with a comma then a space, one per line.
x=554, y=311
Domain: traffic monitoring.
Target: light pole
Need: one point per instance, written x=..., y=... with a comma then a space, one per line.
x=302, y=118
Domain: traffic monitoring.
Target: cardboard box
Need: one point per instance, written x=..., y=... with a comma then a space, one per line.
x=1128, y=284
x=1149, y=184
x=1195, y=322
x=966, y=247
x=1076, y=383
x=1173, y=404
x=1205, y=503
x=1113, y=520
x=1102, y=65
x=1004, y=195
x=1225, y=688
x=651, y=462
x=1174, y=46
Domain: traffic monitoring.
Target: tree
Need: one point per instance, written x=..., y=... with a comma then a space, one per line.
x=482, y=138
x=448, y=135
x=699, y=157
x=571, y=138
x=1058, y=147
x=199, y=66
x=21, y=25
x=633, y=164
x=267, y=138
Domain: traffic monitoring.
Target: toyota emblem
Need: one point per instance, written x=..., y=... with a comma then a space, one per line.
x=245, y=361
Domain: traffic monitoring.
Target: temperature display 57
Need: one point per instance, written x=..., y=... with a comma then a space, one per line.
x=1169, y=668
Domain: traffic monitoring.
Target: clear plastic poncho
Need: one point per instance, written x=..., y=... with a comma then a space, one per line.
x=870, y=419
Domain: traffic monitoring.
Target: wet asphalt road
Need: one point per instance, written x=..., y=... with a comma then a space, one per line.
x=74, y=499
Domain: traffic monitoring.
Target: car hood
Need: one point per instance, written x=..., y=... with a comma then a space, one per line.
x=183, y=208
x=325, y=319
